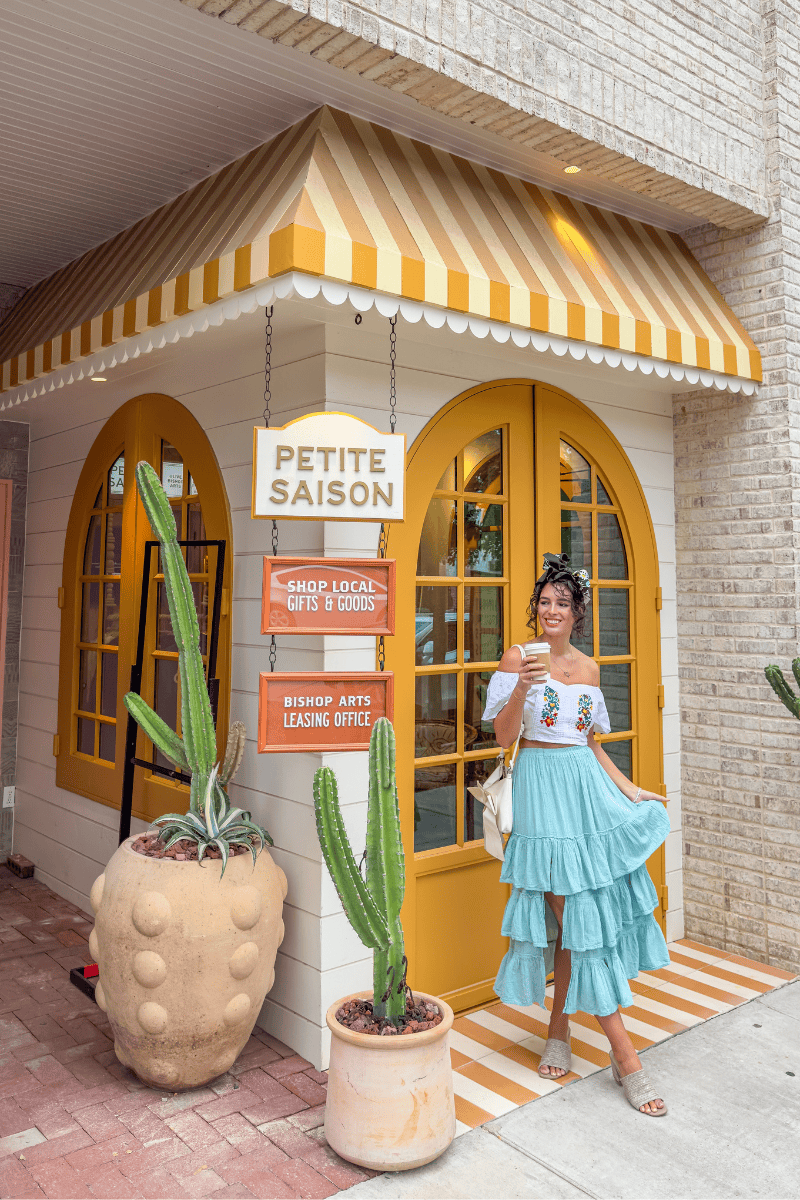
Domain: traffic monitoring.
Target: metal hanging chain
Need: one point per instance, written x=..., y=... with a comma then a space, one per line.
x=268, y=366
x=273, y=649
x=392, y=372
x=383, y=539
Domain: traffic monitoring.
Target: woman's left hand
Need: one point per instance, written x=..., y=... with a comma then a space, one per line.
x=643, y=795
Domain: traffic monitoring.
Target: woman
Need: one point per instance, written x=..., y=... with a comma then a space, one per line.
x=581, y=835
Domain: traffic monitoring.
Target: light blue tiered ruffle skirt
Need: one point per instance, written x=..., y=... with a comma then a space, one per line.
x=576, y=835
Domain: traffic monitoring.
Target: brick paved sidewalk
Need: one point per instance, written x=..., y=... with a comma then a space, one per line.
x=75, y=1123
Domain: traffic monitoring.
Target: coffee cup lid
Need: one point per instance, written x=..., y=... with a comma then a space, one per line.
x=533, y=647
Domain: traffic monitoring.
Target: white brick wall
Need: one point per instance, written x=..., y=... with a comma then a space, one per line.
x=665, y=99
x=737, y=473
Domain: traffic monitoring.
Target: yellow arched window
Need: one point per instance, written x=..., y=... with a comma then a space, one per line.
x=103, y=565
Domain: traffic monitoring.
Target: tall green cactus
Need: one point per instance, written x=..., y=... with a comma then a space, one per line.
x=372, y=907
x=781, y=688
x=210, y=821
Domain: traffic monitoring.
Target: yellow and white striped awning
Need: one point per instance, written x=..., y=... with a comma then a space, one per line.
x=338, y=198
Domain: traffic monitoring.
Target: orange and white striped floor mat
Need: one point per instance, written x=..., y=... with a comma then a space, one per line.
x=496, y=1050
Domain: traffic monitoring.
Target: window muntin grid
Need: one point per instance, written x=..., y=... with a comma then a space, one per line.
x=592, y=535
x=94, y=719
x=461, y=619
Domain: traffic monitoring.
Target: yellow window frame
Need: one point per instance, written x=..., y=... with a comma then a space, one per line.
x=137, y=428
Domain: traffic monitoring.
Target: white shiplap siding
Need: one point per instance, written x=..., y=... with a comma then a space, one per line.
x=219, y=377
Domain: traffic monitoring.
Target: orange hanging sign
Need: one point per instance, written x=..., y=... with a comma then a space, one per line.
x=328, y=595
x=305, y=711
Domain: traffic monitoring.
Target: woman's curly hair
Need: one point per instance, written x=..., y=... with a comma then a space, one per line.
x=566, y=586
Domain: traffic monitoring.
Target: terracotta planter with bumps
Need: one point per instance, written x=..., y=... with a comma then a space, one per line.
x=186, y=959
x=390, y=1102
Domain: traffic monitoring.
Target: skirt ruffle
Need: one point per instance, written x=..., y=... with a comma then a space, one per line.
x=564, y=866
x=609, y=898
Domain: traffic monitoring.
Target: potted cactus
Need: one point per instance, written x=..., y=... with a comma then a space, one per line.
x=390, y=1099
x=186, y=945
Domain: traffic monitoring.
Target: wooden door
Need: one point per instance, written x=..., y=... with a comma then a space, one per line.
x=501, y=475
x=467, y=555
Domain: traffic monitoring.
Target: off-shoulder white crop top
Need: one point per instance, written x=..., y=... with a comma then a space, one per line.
x=553, y=711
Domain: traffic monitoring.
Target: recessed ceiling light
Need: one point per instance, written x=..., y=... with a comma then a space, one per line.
x=571, y=170
x=98, y=379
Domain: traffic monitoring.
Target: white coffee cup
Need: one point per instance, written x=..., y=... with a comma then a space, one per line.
x=540, y=651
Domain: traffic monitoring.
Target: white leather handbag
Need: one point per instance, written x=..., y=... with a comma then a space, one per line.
x=495, y=796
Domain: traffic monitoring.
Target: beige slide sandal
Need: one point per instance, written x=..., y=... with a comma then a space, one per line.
x=638, y=1089
x=556, y=1054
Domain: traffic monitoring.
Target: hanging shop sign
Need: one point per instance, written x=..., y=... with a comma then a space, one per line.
x=328, y=466
x=328, y=595
x=303, y=711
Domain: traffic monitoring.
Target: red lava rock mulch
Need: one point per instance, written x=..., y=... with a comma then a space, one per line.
x=75, y=1122
x=419, y=1015
x=184, y=850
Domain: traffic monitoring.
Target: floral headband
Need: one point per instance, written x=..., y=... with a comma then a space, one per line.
x=558, y=570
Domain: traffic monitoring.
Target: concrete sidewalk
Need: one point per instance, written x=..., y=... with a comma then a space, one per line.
x=732, y=1085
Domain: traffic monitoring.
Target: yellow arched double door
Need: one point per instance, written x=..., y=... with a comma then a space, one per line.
x=503, y=474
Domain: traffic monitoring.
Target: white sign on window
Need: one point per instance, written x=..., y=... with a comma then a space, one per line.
x=328, y=466
x=116, y=477
x=172, y=479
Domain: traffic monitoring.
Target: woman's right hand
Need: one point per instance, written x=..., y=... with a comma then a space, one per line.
x=532, y=671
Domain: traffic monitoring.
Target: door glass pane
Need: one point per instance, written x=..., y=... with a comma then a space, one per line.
x=171, y=471
x=477, y=732
x=435, y=729
x=436, y=628
x=475, y=772
x=85, y=736
x=113, y=543
x=108, y=686
x=200, y=593
x=614, y=621
x=90, y=612
x=111, y=614
x=576, y=539
x=91, y=557
x=576, y=476
x=620, y=755
x=87, y=693
x=434, y=807
x=483, y=539
x=483, y=624
x=483, y=463
x=166, y=700
x=602, y=495
x=116, y=481
x=108, y=738
x=437, y=547
x=448, y=481
x=615, y=684
x=585, y=643
x=195, y=532
x=612, y=560
x=165, y=639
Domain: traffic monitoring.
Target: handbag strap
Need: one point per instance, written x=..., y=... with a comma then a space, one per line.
x=521, y=649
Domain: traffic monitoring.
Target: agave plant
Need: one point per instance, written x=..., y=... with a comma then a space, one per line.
x=210, y=820
x=212, y=829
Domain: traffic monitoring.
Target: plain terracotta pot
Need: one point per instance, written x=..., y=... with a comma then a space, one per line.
x=186, y=958
x=390, y=1101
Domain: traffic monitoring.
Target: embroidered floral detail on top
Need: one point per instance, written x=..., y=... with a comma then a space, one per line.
x=550, y=707
x=584, y=720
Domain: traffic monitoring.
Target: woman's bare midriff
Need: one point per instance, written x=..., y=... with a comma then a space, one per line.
x=524, y=744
